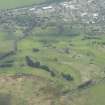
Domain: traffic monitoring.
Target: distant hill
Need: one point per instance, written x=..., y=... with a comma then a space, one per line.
x=8, y=4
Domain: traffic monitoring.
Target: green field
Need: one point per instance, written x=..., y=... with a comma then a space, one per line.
x=8, y=4
x=84, y=61
x=42, y=65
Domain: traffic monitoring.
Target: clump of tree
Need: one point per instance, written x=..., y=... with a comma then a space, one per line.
x=67, y=77
x=31, y=63
x=35, y=49
x=3, y=56
x=6, y=65
x=86, y=84
x=37, y=64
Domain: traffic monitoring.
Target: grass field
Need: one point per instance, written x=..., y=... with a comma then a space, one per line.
x=84, y=61
x=47, y=67
x=8, y=4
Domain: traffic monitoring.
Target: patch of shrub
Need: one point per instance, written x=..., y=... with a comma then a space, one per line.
x=5, y=65
x=67, y=77
x=35, y=50
x=6, y=55
x=31, y=63
x=86, y=84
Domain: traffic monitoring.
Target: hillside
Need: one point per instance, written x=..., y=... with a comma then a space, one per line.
x=52, y=53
